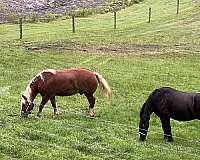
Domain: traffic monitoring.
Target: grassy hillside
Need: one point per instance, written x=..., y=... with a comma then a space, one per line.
x=135, y=58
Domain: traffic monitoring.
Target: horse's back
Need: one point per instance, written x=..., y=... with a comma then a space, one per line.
x=70, y=81
x=82, y=76
x=179, y=105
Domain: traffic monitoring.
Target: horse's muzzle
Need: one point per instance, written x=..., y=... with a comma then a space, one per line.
x=24, y=114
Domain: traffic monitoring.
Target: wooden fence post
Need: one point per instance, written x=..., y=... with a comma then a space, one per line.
x=20, y=28
x=149, y=15
x=73, y=24
x=177, y=9
x=115, y=19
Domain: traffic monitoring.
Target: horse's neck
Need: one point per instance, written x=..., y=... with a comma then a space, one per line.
x=30, y=93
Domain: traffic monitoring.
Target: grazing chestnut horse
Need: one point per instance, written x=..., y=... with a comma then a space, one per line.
x=50, y=83
x=169, y=103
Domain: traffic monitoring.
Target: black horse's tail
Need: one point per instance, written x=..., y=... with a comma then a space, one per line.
x=145, y=113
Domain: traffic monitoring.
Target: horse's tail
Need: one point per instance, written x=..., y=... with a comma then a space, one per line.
x=145, y=114
x=103, y=85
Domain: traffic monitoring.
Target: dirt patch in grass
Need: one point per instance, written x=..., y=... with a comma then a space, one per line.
x=115, y=49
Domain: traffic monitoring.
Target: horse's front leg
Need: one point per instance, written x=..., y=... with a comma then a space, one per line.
x=143, y=127
x=91, y=100
x=145, y=113
x=42, y=104
x=165, y=120
x=54, y=105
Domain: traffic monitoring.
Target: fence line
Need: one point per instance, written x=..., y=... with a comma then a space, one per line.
x=178, y=3
x=114, y=17
x=149, y=15
x=20, y=28
x=73, y=24
x=117, y=32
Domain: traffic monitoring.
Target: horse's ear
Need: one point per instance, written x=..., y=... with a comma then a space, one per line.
x=25, y=98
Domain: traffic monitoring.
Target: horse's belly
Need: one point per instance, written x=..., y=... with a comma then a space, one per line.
x=182, y=111
x=183, y=115
x=67, y=93
x=181, y=118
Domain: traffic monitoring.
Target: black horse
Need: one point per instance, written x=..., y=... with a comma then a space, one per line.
x=168, y=103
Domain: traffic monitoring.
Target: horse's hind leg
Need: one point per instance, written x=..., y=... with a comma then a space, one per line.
x=44, y=101
x=54, y=105
x=91, y=100
x=166, y=128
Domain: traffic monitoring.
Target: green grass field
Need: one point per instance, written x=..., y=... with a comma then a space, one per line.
x=135, y=58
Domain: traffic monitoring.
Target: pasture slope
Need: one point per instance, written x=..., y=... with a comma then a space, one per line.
x=135, y=59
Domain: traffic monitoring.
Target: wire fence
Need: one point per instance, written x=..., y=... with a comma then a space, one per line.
x=114, y=22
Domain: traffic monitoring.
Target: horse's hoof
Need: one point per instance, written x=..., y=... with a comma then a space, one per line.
x=39, y=116
x=142, y=139
x=24, y=116
x=56, y=114
x=168, y=138
x=92, y=114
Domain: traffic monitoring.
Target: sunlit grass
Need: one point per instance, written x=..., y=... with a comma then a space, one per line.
x=113, y=134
